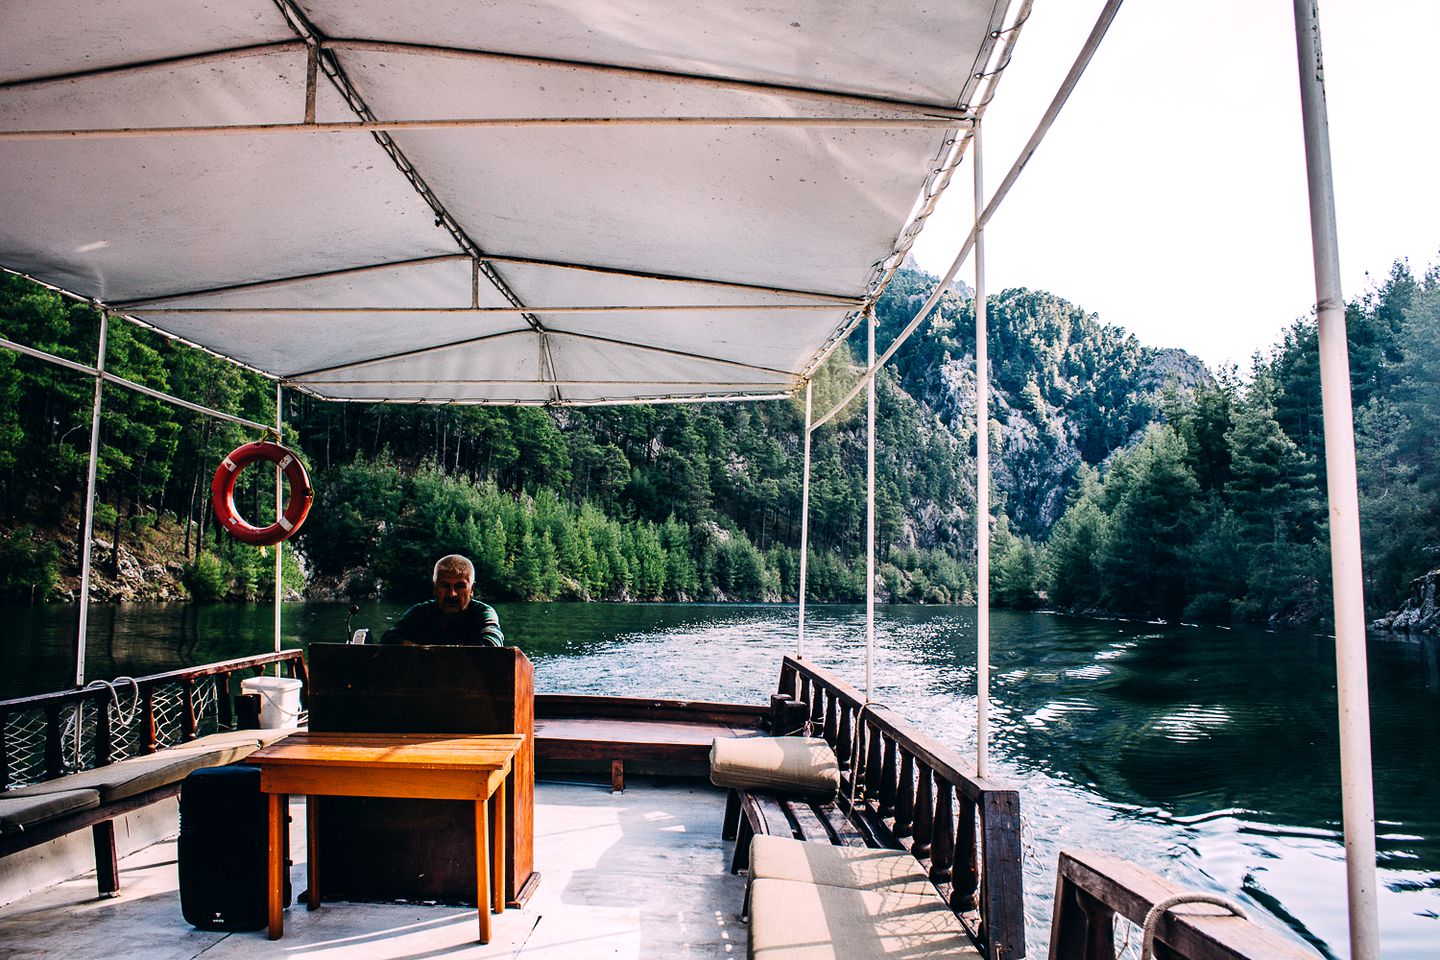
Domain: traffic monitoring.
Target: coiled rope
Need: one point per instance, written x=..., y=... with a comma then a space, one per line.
x=125, y=717
x=1152, y=919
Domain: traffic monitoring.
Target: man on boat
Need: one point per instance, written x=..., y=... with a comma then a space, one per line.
x=454, y=616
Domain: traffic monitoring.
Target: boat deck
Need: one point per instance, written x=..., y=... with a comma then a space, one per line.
x=641, y=874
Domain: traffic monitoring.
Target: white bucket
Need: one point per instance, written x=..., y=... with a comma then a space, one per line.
x=279, y=700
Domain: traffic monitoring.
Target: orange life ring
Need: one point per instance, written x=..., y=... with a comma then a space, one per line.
x=222, y=493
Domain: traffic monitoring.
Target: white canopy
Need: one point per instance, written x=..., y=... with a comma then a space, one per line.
x=626, y=201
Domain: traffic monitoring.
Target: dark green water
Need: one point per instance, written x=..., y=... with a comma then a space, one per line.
x=1207, y=755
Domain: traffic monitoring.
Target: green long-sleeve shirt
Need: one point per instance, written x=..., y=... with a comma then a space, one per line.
x=475, y=626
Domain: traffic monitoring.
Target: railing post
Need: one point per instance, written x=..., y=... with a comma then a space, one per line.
x=4, y=751
x=187, y=711
x=1083, y=928
x=1002, y=894
x=966, y=875
x=832, y=721
x=54, y=758
x=874, y=765
x=887, y=780
x=147, y=717
x=905, y=796
x=924, y=813
x=224, y=718
x=787, y=685
x=942, y=848
x=103, y=745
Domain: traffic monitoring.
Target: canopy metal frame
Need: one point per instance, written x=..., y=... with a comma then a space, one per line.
x=964, y=118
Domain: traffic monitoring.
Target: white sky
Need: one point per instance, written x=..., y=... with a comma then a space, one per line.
x=1170, y=196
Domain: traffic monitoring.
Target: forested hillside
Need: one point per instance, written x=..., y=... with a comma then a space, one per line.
x=1127, y=480
x=662, y=502
x=1219, y=513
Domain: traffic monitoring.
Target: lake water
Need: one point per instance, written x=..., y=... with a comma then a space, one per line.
x=1208, y=755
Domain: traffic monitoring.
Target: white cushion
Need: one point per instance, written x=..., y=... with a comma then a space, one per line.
x=797, y=765
x=855, y=868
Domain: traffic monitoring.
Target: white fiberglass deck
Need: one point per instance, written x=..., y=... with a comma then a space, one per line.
x=640, y=874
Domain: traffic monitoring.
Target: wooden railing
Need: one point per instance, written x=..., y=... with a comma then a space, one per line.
x=1092, y=889
x=48, y=722
x=920, y=795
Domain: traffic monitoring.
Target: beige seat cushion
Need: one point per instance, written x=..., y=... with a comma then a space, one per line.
x=790, y=920
x=116, y=781
x=798, y=765
x=17, y=813
x=855, y=868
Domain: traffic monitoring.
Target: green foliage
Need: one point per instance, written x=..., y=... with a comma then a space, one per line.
x=1071, y=570
x=1214, y=513
x=29, y=566
x=204, y=577
x=1219, y=514
x=1015, y=569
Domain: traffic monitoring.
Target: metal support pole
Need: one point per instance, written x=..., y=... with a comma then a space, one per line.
x=1352, y=686
x=86, y=531
x=279, y=512
x=870, y=506
x=804, y=528
x=982, y=478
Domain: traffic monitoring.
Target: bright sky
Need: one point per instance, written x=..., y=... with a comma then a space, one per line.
x=1170, y=196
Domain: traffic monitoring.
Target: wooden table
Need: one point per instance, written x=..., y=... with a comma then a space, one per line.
x=418, y=765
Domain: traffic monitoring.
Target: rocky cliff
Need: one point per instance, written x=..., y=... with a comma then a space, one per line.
x=1421, y=612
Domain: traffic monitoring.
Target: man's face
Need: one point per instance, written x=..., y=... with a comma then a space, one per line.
x=452, y=591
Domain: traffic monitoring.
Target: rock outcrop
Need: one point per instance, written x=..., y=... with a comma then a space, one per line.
x=1421, y=613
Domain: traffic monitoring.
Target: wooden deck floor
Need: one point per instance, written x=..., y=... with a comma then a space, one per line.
x=635, y=875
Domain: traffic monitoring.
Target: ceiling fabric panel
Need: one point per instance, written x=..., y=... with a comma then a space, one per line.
x=70, y=36
x=754, y=206
x=907, y=51
x=464, y=372
x=524, y=263
x=781, y=339
x=439, y=282
x=125, y=219
x=545, y=285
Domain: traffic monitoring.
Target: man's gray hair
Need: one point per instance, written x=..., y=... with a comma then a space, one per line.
x=454, y=562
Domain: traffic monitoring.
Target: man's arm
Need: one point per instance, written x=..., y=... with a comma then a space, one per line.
x=491, y=633
x=404, y=629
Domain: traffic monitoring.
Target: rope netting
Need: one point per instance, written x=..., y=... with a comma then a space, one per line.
x=25, y=730
x=25, y=747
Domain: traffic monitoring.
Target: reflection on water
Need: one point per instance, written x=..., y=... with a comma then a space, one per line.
x=1210, y=756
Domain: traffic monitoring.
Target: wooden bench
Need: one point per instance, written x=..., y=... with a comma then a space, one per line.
x=751, y=812
x=917, y=804
x=62, y=803
x=613, y=730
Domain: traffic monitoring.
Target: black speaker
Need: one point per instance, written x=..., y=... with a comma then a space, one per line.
x=223, y=849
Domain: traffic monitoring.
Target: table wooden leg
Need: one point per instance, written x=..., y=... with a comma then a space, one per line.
x=312, y=850
x=482, y=868
x=278, y=804
x=497, y=852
